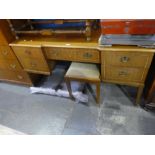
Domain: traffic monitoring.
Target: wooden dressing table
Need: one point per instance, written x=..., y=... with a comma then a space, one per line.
x=127, y=65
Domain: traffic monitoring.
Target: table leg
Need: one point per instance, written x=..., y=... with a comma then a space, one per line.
x=139, y=94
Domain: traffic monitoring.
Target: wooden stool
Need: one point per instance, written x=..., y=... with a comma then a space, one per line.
x=83, y=72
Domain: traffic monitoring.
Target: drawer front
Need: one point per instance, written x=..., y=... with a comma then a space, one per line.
x=124, y=74
x=73, y=54
x=16, y=76
x=3, y=64
x=10, y=64
x=128, y=59
x=28, y=52
x=13, y=65
x=88, y=55
x=6, y=53
x=22, y=76
x=60, y=53
x=35, y=65
x=6, y=75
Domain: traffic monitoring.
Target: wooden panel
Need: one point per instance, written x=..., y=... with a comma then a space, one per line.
x=88, y=55
x=72, y=54
x=3, y=64
x=6, y=35
x=55, y=53
x=125, y=74
x=6, y=75
x=32, y=59
x=28, y=52
x=128, y=59
x=6, y=53
x=13, y=65
x=16, y=77
x=35, y=65
x=22, y=76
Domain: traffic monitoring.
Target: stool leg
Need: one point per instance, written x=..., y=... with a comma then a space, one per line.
x=98, y=92
x=69, y=88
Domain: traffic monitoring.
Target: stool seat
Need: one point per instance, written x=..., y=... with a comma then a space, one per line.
x=83, y=71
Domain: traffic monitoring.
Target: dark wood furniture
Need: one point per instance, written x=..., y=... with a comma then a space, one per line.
x=27, y=27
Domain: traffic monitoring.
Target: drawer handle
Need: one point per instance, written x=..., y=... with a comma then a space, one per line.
x=124, y=59
x=87, y=55
x=33, y=64
x=13, y=66
x=28, y=52
x=123, y=73
x=55, y=53
x=5, y=52
x=20, y=77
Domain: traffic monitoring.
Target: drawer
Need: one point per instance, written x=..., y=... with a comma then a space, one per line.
x=127, y=59
x=72, y=54
x=6, y=53
x=22, y=77
x=28, y=52
x=13, y=65
x=3, y=64
x=35, y=66
x=88, y=55
x=17, y=76
x=56, y=53
x=124, y=74
x=6, y=75
x=10, y=64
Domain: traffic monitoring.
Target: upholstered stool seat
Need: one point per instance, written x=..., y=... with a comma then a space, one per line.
x=83, y=72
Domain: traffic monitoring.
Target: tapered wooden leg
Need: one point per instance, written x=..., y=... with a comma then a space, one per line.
x=98, y=92
x=69, y=88
x=139, y=94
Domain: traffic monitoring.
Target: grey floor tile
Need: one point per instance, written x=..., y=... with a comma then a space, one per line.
x=69, y=131
x=44, y=114
x=82, y=119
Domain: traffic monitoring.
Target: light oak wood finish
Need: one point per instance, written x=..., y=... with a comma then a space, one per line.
x=125, y=74
x=128, y=59
x=73, y=54
x=32, y=59
x=126, y=65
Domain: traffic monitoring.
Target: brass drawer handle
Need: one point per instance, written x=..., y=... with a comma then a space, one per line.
x=5, y=52
x=87, y=55
x=13, y=66
x=28, y=52
x=55, y=53
x=33, y=64
x=20, y=77
x=124, y=59
x=122, y=73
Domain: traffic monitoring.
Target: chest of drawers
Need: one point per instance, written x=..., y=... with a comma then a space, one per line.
x=10, y=68
x=126, y=65
x=32, y=59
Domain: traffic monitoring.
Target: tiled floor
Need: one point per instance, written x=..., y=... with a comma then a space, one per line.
x=44, y=114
